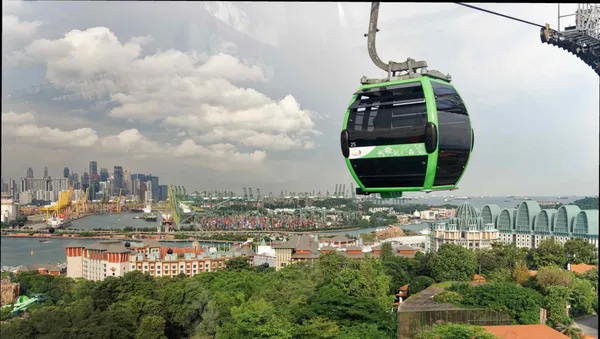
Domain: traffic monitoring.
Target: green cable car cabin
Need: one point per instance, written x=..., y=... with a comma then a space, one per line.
x=407, y=136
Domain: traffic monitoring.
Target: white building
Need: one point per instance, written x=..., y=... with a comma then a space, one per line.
x=98, y=261
x=8, y=209
x=466, y=229
x=115, y=258
x=525, y=226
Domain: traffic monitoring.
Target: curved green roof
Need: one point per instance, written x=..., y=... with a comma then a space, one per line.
x=544, y=220
x=563, y=220
x=490, y=213
x=586, y=222
x=526, y=214
x=505, y=219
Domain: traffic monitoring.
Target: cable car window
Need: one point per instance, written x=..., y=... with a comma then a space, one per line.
x=455, y=131
x=391, y=172
x=454, y=135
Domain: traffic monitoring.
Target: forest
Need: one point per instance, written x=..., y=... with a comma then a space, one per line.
x=333, y=297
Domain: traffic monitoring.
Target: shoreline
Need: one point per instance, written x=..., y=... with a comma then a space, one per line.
x=41, y=236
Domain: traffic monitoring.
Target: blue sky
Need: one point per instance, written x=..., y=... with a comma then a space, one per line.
x=229, y=95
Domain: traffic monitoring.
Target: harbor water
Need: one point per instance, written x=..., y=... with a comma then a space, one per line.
x=29, y=251
x=23, y=251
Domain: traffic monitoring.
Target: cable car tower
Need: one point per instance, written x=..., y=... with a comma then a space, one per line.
x=582, y=39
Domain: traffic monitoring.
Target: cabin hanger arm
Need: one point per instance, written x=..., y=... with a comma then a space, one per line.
x=410, y=67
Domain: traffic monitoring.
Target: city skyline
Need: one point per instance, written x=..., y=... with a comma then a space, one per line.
x=223, y=96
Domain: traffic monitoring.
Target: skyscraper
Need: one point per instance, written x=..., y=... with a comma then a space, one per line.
x=103, y=174
x=30, y=173
x=66, y=172
x=93, y=168
x=85, y=181
x=118, y=179
x=45, y=172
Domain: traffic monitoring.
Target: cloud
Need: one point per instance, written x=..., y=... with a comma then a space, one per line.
x=22, y=126
x=191, y=91
x=15, y=29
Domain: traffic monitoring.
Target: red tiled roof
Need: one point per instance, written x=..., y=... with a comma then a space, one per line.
x=581, y=268
x=536, y=331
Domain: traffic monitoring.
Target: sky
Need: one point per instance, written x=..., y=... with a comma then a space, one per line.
x=221, y=95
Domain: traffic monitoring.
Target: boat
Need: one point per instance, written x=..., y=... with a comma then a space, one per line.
x=149, y=217
x=43, y=240
x=136, y=210
x=510, y=196
x=136, y=217
x=562, y=198
x=58, y=222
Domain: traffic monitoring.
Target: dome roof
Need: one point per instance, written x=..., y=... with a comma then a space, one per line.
x=417, y=214
x=466, y=211
x=467, y=215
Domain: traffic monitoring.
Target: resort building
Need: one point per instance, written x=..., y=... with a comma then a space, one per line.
x=115, y=258
x=525, y=226
x=41, y=269
x=304, y=248
x=467, y=228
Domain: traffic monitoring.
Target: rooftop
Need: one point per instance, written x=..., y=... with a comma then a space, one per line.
x=525, y=332
x=423, y=301
x=37, y=267
x=581, y=268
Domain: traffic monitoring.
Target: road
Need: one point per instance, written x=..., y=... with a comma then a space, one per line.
x=588, y=325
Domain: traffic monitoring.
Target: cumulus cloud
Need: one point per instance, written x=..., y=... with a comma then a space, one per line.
x=191, y=92
x=22, y=126
x=15, y=29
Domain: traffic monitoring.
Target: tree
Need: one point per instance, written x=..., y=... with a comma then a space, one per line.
x=554, y=276
x=362, y=331
x=581, y=298
x=579, y=251
x=587, y=203
x=549, y=253
x=592, y=277
x=456, y=331
x=238, y=264
x=556, y=303
x=500, y=275
x=386, y=251
x=523, y=304
x=399, y=270
x=521, y=275
x=418, y=284
x=453, y=262
x=317, y=328
x=151, y=327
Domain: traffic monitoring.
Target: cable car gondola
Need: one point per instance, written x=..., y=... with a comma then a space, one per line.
x=410, y=132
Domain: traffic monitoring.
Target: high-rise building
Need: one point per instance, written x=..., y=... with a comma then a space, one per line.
x=30, y=173
x=66, y=172
x=163, y=192
x=74, y=178
x=149, y=190
x=141, y=190
x=45, y=172
x=104, y=174
x=94, y=186
x=93, y=168
x=118, y=179
x=127, y=189
x=155, y=191
x=85, y=181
